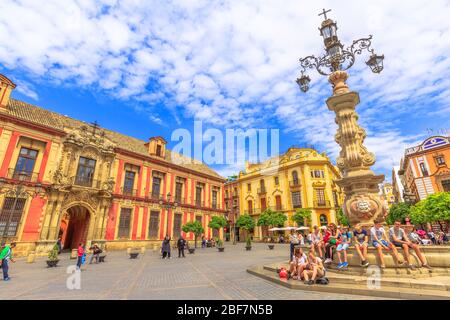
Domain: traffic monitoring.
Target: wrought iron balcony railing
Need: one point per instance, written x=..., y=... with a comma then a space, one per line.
x=294, y=183
x=322, y=203
x=262, y=190
x=84, y=181
x=129, y=192
x=22, y=175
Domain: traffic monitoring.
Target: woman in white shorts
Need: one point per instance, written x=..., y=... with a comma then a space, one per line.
x=317, y=241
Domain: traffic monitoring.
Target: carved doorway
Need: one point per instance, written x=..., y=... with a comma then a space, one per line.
x=74, y=227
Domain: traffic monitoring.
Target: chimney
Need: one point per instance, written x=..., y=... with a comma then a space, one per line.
x=6, y=87
x=157, y=147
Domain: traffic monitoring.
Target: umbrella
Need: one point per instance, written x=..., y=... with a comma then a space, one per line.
x=302, y=228
x=323, y=227
x=275, y=229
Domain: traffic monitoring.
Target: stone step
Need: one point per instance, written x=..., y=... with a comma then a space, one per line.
x=352, y=287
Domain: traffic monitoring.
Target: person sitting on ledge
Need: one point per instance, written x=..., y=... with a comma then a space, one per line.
x=317, y=241
x=380, y=242
x=399, y=239
x=298, y=264
x=344, y=242
x=361, y=243
x=314, y=270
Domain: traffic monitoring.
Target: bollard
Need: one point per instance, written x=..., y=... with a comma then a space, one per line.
x=74, y=254
x=142, y=250
x=128, y=250
x=31, y=257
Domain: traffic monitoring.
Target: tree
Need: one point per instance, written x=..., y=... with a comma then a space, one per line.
x=342, y=218
x=217, y=223
x=398, y=211
x=195, y=227
x=301, y=216
x=245, y=222
x=271, y=218
x=435, y=207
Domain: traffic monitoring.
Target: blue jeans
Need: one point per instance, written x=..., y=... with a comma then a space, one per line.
x=79, y=262
x=5, y=268
x=291, y=251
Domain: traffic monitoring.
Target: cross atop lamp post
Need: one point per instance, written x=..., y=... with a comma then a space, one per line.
x=362, y=203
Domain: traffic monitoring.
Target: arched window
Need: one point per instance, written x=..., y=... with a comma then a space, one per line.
x=295, y=177
x=323, y=220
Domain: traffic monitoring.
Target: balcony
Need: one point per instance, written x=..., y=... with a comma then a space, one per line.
x=294, y=183
x=84, y=181
x=262, y=190
x=253, y=211
x=214, y=205
x=179, y=200
x=129, y=192
x=155, y=196
x=277, y=208
x=22, y=175
x=322, y=203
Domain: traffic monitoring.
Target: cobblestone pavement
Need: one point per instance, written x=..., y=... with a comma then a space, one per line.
x=207, y=274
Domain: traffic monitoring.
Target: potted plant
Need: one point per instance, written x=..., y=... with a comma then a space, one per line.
x=220, y=246
x=53, y=257
x=196, y=228
x=271, y=246
x=248, y=244
x=134, y=253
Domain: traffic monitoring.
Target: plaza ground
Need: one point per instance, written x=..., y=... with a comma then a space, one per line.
x=207, y=275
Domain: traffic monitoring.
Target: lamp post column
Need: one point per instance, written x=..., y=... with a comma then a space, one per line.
x=362, y=202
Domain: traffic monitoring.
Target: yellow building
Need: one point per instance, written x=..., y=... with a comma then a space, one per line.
x=387, y=194
x=300, y=178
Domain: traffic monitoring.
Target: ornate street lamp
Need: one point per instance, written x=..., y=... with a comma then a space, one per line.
x=362, y=202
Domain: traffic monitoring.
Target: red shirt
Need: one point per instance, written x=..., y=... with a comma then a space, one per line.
x=80, y=251
x=326, y=237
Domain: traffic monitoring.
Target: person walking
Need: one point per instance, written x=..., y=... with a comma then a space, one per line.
x=80, y=254
x=59, y=243
x=181, y=244
x=5, y=258
x=165, y=247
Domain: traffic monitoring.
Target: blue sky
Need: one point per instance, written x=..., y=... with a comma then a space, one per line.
x=146, y=68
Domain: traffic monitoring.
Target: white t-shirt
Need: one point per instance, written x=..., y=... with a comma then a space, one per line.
x=378, y=232
x=300, y=260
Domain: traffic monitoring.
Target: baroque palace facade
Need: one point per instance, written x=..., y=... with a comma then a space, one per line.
x=300, y=178
x=60, y=177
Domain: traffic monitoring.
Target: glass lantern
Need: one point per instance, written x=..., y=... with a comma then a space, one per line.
x=375, y=63
x=303, y=83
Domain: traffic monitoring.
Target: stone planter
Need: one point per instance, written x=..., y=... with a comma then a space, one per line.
x=248, y=248
x=52, y=263
x=31, y=257
x=271, y=246
x=134, y=252
x=191, y=250
x=134, y=255
x=221, y=249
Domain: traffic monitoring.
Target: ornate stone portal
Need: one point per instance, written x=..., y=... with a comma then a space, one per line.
x=362, y=202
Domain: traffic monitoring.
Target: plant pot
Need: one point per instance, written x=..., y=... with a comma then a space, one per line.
x=191, y=250
x=271, y=246
x=52, y=263
x=248, y=248
x=134, y=255
x=221, y=249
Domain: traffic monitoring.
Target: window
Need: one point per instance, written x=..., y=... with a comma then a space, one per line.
x=156, y=188
x=446, y=185
x=249, y=187
x=124, y=223
x=85, y=172
x=295, y=178
x=178, y=191
x=177, y=224
x=25, y=164
x=214, y=199
x=128, y=183
x=423, y=169
x=158, y=150
x=277, y=181
x=198, y=196
x=250, y=206
x=278, y=205
x=320, y=195
x=296, y=199
x=335, y=199
x=317, y=174
x=235, y=192
x=440, y=160
x=198, y=218
x=153, y=225
x=323, y=220
x=263, y=204
x=10, y=216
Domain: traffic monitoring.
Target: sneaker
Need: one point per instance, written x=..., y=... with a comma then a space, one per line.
x=365, y=263
x=328, y=260
x=382, y=266
x=310, y=282
x=412, y=267
x=345, y=265
x=339, y=265
x=7, y=279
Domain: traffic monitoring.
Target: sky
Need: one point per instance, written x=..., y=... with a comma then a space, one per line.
x=147, y=68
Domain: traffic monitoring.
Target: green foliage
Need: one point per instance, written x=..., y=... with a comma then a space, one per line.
x=217, y=222
x=195, y=227
x=398, y=211
x=435, y=207
x=301, y=215
x=248, y=243
x=53, y=254
x=245, y=222
x=271, y=218
x=342, y=218
x=219, y=243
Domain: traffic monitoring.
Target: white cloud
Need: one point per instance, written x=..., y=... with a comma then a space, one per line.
x=234, y=63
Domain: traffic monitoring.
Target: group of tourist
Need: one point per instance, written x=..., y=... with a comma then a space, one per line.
x=182, y=244
x=337, y=239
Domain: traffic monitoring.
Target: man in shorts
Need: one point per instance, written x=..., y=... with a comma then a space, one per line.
x=380, y=242
x=399, y=239
x=361, y=243
x=344, y=242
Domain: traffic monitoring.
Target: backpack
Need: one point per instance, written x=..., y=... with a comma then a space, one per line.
x=323, y=280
